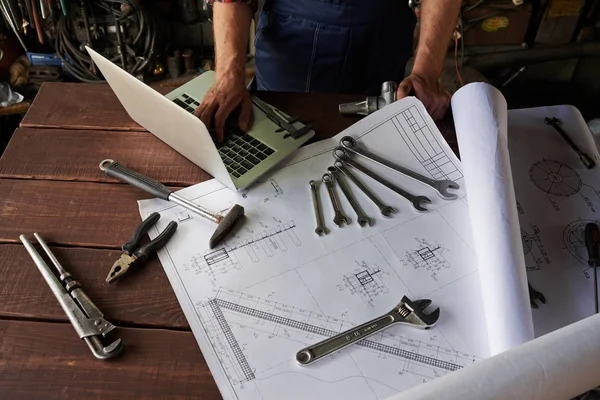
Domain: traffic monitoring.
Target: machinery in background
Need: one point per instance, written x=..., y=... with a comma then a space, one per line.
x=121, y=30
x=54, y=33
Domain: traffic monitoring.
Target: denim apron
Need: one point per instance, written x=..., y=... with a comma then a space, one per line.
x=341, y=46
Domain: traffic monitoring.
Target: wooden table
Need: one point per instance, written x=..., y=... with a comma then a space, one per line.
x=50, y=183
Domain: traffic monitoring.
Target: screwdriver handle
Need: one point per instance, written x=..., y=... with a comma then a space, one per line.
x=592, y=243
x=115, y=169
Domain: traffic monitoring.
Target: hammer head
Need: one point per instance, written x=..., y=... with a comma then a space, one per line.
x=226, y=225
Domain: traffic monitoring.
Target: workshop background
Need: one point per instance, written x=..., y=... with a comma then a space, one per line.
x=537, y=52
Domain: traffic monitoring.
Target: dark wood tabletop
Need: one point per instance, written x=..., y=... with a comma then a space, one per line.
x=50, y=183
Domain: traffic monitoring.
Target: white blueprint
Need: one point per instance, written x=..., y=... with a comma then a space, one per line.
x=275, y=286
x=557, y=196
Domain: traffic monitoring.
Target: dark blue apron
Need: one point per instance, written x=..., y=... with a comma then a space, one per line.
x=341, y=46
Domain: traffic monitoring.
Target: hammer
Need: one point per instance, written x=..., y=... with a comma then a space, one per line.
x=225, y=223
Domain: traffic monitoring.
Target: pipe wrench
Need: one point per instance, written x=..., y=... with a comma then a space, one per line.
x=88, y=321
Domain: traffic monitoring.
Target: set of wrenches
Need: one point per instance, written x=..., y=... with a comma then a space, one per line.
x=340, y=171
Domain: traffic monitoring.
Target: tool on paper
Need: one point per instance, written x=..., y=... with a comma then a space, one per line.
x=321, y=229
x=285, y=124
x=225, y=223
x=442, y=186
x=585, y=159
x=371, y=103
x=133, y=254
x=535, y=295
x=340, y=154
x=339, y=217
x=592, y=244
x=88, y=321
x=385, y=210
x=406, y=312
x=362, y=219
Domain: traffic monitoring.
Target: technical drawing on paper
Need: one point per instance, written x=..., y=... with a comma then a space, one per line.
x=556, y=178
x=276, y=187
x=265, y=243
x=425, y=145
x=183, y=215
x=428, y=256
x=574, y=240
x=536, y=255
x=366, y=282
x=234, y=319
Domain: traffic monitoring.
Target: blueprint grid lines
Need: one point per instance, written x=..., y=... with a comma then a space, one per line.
x=216, y=305
x=424, y=145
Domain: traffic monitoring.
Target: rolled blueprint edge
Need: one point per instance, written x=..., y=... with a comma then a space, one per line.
x=557, y=366
x=480, y=116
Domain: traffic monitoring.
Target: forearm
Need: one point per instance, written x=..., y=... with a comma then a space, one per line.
x=231, y=23
x=438, y=18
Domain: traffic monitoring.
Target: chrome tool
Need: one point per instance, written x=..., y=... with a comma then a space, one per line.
x=406, y=312
x=442, y=186
x=341, y=155
x=88, y=321
x=225, y=223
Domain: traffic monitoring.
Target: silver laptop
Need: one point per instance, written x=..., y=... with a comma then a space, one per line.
x=237, y=163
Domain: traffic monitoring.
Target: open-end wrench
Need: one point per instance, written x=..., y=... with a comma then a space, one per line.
x=362, y=219
x=339, y=218
x=340, y=154
x=442, y=186
x=385, y=210
x=406, y=312
x=585, y=159
x=320, y=230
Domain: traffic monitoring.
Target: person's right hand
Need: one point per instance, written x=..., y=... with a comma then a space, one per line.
x=222, y=98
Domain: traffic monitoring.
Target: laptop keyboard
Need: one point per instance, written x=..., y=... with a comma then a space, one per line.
x=186, y=102
x=240, y=153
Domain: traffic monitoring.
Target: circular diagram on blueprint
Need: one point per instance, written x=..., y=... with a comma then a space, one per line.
x=554, y=177
x=573, y=237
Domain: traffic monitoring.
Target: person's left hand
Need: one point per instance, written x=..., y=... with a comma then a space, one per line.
x=433, y=96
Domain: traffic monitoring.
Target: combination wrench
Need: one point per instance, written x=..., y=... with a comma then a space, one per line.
x=339, y=218
x=362, y=219
x=340, y=154
x=384, y=209
x=406, y=312
x=320, y=230
x=442, y=186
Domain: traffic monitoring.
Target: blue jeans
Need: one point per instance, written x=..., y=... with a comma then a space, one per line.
x=338, y=46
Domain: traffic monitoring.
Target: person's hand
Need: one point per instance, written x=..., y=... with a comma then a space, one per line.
x=223, y=97
x=433, y=96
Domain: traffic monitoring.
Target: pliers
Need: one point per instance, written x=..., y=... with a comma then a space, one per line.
x=132, y=255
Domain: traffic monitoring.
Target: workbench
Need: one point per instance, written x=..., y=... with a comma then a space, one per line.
x=50, y=183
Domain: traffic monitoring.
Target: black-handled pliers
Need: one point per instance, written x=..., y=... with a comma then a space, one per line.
x=132, y=254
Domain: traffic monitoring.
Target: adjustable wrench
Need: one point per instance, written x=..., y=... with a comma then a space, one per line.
x=385, y=210
x=320, y=230
x=442, y=186
x=406, y=312
x=340, y=154
x=362, y=219
x=339, y=218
